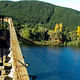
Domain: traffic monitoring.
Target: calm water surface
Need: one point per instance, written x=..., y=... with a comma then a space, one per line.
x=53, y=63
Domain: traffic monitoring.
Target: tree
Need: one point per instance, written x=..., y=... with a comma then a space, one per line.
x=51, y=34
x=78, y=31
x=60, y=27
x=55, y=36
x=39, y=33
x=56, y=27
x=25, y=33
x=72, y=35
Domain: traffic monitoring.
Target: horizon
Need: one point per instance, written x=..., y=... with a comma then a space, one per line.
x=73, y=4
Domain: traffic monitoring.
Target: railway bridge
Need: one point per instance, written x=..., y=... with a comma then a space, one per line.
x=12, y=65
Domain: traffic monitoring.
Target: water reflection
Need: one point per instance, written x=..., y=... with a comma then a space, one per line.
x=53, y=63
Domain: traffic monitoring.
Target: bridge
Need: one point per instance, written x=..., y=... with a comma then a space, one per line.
x=12, y=65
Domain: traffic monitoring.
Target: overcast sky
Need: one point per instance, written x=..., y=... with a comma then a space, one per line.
x=74, y=4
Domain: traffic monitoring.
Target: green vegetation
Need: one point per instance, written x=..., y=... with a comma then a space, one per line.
x=44, y=36
x=41, y=36
x=43, y=23
x=35, y=34
x=35, y=12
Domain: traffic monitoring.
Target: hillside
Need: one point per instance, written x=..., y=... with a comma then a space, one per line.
x=33, y=12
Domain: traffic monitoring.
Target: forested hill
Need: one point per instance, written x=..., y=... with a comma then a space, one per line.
x=33, y=12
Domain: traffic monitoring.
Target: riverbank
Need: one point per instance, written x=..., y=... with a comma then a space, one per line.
x=23, y=41
x=59, y=43
x=49, y=43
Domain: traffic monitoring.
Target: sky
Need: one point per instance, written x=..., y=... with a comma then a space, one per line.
x=74, y=4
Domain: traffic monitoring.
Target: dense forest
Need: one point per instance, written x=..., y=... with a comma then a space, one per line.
x=34, y=12
x=37, y=21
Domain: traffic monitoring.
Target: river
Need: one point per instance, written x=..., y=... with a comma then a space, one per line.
x=47, y=63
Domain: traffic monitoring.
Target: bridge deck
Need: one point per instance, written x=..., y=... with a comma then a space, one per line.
x=19, y=64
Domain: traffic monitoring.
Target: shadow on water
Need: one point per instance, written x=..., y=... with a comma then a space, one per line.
x=45, y=75
x=54, y=75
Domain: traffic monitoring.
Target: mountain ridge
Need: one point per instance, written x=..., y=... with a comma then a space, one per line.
x=37, y=12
